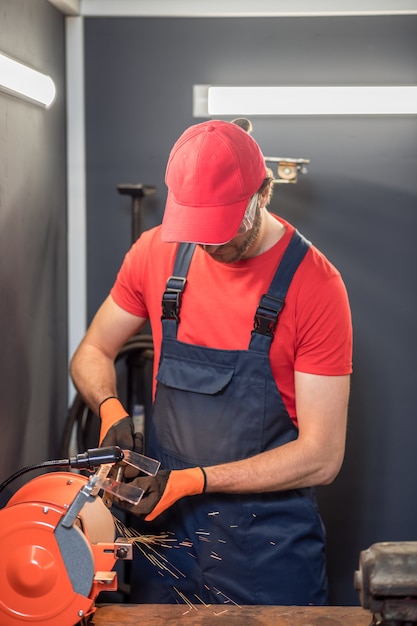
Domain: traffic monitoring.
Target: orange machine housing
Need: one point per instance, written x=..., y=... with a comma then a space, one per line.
x=38, y=586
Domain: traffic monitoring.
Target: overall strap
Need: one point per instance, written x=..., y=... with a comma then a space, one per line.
x=271, y=303
x=171, y=300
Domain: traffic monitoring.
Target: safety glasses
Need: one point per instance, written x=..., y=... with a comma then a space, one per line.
x=249, y=216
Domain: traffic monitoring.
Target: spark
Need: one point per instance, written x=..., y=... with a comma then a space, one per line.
x=164, y=539
x=148, y=544
x=186, y=600
x=225, y=596
x=145, y=544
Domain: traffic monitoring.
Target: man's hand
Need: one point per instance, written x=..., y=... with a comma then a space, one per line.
x=162, y=490
x=120, y=432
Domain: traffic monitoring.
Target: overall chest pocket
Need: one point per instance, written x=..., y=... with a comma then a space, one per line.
x=206, y=412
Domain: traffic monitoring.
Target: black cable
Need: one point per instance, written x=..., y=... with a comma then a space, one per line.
x=29, y=468
x=92, y=458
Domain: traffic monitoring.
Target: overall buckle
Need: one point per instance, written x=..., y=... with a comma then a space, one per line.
x=266, y=316
x=171, y=300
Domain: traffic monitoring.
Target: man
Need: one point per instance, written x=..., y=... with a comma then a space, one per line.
x=252, y=365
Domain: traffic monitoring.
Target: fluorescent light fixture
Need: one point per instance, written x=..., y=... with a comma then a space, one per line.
x=23, y=81
x=243, y=8
x=210, y=100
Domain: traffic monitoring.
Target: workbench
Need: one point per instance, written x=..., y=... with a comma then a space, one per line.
x=232, y=615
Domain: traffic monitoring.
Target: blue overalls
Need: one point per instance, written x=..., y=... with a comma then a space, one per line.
x=215, y=406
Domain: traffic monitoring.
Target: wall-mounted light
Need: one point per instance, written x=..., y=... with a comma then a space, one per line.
x=23, y=81
x=210, y=100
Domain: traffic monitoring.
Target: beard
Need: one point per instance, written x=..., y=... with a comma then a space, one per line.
x=252, y=236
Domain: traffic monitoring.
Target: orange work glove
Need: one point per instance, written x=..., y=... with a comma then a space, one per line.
x=162, y=490
x=117, y=430
x=111, y=411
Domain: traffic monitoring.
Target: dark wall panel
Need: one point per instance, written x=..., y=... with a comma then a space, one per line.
x=357, y=203
x=33, y=303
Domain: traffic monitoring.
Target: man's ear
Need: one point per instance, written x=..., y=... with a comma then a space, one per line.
x=266, y=194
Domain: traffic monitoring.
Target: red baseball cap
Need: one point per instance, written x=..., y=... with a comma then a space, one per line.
x=213, y=170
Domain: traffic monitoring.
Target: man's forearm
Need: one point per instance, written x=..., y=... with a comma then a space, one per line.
x=291, y=466
x=93, y=375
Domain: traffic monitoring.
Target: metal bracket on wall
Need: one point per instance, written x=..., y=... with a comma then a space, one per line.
x=288, y=168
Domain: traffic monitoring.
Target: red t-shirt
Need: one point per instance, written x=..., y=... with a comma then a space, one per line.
x=314, y=331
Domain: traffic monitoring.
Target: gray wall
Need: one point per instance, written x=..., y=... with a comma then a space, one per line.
x=357, y=203
x=33, y=319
